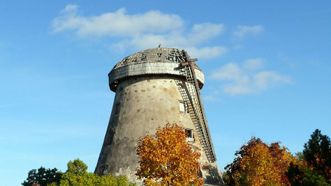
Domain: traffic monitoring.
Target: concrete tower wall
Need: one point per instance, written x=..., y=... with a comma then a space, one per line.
x=141, y=105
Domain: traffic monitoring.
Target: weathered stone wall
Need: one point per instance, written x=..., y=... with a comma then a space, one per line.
x=149, y=88
x=141, y=105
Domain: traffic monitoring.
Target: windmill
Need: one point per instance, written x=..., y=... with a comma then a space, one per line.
x=155, y=87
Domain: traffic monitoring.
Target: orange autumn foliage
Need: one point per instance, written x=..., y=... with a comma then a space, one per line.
x=258, y=164
x=282, y=160
x=167, y=159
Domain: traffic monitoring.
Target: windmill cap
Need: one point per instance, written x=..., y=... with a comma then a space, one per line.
x=149, y=62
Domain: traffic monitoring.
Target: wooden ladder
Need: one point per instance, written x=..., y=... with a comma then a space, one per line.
x=191, y=96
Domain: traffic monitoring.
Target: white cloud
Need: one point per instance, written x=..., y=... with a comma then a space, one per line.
x=244, y=30
x=142, y=31
x=253, y=64
x=249, y=77
x=70, y=9
x=117, y=23
x=207, y=52
x=265, y=79
x=205, y=31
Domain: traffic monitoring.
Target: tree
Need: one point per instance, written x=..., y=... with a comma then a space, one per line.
x=314, y=165
x=317, y=153
x=282, y=159
x=300, y=175
x=77, y=175
x=259, y=164
x=167, y=159
x=42, y=176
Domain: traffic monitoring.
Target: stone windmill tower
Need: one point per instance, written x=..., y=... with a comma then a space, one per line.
x=155, y=87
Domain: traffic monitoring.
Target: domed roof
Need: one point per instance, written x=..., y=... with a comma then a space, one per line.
x=154, y=61
x=155, y=55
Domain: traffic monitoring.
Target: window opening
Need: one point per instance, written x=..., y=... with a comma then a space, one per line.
x=189, y=134
x=117, y=108
x=182, y=106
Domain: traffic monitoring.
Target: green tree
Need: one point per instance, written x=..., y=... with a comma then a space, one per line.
x=317, y=153
x=77, y=175
x=301, y=175
x=42, y=176
x=314, y=165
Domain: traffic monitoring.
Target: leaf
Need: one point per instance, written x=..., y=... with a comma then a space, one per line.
x=167, y=159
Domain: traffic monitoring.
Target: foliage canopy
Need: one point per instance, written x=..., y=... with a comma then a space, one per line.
x=42, y=176
x=314, y=168
x=259, y=164
x=76, y=175
x=167, y=159
x=317, y=153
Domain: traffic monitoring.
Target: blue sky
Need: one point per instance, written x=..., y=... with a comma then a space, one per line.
x=267, y=67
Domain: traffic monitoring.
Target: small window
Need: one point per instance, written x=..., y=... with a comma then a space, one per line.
x=104, y=169
x=189, y=134
x=117, y=108
x=183, y=106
